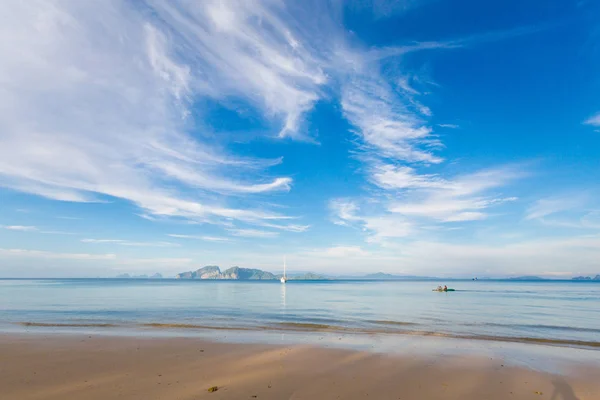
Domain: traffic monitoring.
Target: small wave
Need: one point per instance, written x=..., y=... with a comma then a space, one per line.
x=308, y=326
x=312, y=327
x=539, y=326
x=397, y=323
x=66, y=325
x=195, y=326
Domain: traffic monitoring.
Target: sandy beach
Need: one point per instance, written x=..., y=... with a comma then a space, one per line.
x=99, y=367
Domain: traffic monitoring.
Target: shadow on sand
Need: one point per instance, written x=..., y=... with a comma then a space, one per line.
x=562, y=390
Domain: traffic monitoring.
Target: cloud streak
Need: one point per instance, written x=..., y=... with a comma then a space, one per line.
x=418, y=202
x=593, y=121
x=200, y=237
x=552, y=205
x=22, y=228
x=53, y=255
x=123, y=84
x=121, y=242
x=253, y=233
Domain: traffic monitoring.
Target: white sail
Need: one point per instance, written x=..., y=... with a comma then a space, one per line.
x=284, y=277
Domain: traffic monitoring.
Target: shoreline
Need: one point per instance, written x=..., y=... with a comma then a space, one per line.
x=400, y=328
x=79, y=366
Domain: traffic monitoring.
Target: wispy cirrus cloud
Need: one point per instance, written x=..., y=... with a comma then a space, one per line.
x=556, y=204
x=121, y=242
x=384, y=124
x=419, y=200
x=253, y=233
x=253, y=50
x=23, y=228
x=123, y=79
x=200, y=237
x=569, y=211
x=593, y=120
x=336, y=252
x=379, y=224
x=54, y=255
x=398, y=144
x=460, y=199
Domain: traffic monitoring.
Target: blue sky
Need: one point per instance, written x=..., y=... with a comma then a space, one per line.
x=423, y=137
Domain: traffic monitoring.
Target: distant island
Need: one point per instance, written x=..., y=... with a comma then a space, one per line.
x=527, y=278
x=127, y=276
x=237, y=273
x=587, y=278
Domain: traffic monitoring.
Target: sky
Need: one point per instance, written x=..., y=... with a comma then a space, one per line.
x=422, y=137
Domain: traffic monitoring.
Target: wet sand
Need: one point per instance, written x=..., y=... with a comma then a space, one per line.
x=99, y=367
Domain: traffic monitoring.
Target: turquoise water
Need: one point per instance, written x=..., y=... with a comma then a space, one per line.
x=564, y=313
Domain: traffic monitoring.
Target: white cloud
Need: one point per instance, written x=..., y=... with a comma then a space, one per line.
x=251, y=50
x=552, y=205
x=396, y=142
x=256, y=233
x=111, y=89
x=200, y=237
x=594, y=120
x=21, y=228
x=161, y=262
x=383, y=123
x=129, y=243
x=586, y=220
x=286, y=227
x=52, y=255
x=404, y=84
x=461, y=199
x=388, y=226
x=402, y=177
x=343, y=211
x=339, y=252
x=379, y=226
x=414, y=203
x=432, y=197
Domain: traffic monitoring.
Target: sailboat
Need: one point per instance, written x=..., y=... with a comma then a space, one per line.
x=284, y=277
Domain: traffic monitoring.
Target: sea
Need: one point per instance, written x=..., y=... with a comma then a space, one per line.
x=375, y=314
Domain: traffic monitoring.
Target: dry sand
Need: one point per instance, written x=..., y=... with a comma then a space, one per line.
x=96, y=367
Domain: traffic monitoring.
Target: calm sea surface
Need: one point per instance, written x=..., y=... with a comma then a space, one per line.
x=565, y=313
